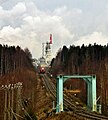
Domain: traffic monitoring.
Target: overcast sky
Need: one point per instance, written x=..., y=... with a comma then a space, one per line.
x=28, y=23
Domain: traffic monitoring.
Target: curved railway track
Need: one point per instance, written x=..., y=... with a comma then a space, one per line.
x=70, y=104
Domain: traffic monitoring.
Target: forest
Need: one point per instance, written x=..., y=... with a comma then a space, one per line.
x=12, y=58
x=84, y=60
x=17, y=83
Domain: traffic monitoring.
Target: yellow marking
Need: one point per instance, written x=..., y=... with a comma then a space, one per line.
x=73, y=91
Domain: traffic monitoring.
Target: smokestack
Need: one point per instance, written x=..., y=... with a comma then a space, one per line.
x=50, y=38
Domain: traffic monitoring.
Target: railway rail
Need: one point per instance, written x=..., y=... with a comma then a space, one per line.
x=70, y=104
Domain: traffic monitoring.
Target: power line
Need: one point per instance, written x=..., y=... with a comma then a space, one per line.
x=9, y=99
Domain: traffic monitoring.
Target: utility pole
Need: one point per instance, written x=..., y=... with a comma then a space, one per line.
x=9, y=99
x=12, y=91
x=19, y=88
x=5, y=107
x=9, y=90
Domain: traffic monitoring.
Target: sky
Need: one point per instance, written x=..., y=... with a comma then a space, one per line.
x=28, y=23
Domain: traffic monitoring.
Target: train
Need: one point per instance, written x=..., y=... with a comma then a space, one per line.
x=42, y=70
x=42, y=66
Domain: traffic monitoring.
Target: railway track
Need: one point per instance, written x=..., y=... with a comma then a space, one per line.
x=70, y=104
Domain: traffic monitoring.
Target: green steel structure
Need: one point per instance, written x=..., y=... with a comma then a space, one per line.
x=91, y=90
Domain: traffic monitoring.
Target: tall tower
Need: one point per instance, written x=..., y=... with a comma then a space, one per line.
x=48, y=50
x=43, y=46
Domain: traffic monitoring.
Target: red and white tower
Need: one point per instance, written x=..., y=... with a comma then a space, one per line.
x=50, y=38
